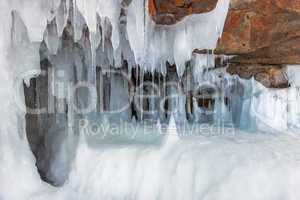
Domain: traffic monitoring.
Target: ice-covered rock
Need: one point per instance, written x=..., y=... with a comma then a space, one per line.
x=100, y=36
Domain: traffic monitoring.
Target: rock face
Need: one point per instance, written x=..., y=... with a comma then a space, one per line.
x=171, y=11
x=266, y=32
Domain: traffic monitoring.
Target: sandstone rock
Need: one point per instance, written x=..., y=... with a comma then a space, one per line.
x=171, y=11
x=262, y=32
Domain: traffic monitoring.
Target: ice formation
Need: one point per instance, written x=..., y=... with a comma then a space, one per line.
x=115, y=48
x=174, y=43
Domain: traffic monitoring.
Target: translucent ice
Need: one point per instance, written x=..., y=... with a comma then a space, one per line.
x=198, y=167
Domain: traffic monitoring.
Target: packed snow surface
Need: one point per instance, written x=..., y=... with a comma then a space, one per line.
x=239, y=166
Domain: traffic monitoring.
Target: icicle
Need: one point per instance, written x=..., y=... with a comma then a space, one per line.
x=19, y=33
x=52, y=13
x=51, y=36
x=199, y=63
x=172, y=134
x=182, y=51
x=61, y=16
x=144, y=63
x=98, y=36
x=124, y=51
x=142, y=93
x=87, y=49
x=79, y=22
x=108, y=48
x=71, y=12
x=174, y=43
x=23, y=52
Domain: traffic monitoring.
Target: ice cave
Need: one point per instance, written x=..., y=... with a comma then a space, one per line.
x=150, y=100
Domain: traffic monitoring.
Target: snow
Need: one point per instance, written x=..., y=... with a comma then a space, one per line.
x=166, y=163
x=245, y=167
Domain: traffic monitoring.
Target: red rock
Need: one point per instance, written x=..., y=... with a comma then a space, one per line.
x=171, y=11
x=266, y=32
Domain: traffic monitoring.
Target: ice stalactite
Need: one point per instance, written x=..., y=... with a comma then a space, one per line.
x=124, y=51
x=107, y=52
x=61, y=16
x=147, y=45
x=51, y=37
x=25, y=52
x=175, y=43
x=62, y=70
x=152, y=76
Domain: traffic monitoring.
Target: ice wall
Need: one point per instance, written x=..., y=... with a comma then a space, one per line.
x=71, y=37
x=275, y=110
x=18, y=175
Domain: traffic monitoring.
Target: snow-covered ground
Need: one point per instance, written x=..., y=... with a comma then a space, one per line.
x=241, y=166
